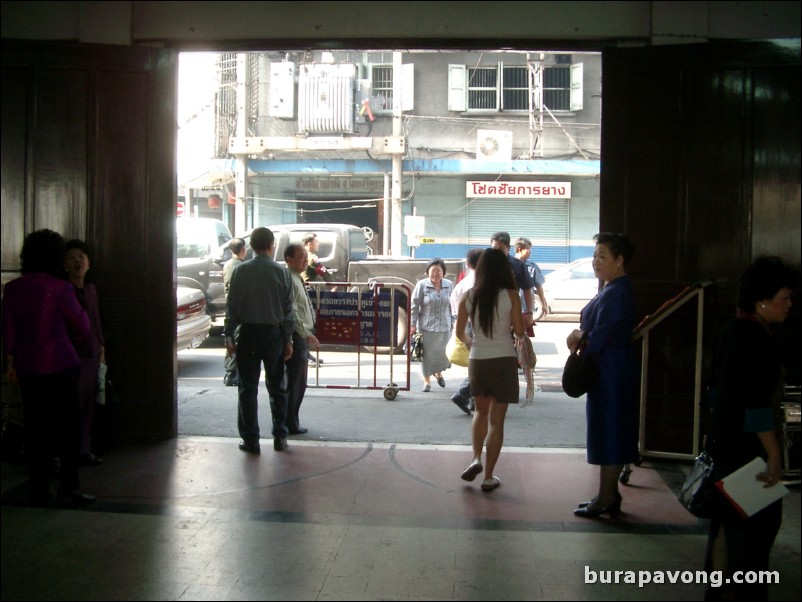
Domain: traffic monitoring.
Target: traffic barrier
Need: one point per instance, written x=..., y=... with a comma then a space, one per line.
x=373, y=318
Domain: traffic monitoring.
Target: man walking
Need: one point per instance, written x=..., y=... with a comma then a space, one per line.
x=302, y=336
x=462, y=398
x=523, y=251
x=238, y=251
x=260, y=304
x=524, y=282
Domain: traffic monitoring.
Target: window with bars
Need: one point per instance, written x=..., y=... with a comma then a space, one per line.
x=381, y=77
x=507, y=88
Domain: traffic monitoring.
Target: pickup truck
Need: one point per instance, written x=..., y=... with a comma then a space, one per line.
x=345, y=254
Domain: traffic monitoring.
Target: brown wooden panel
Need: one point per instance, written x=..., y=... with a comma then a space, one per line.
x=15, y=85
x=101, y=137
x=701, y=167
x=60, y=151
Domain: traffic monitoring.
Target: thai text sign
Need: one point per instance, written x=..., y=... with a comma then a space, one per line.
x=518, y=190
x=344, y=319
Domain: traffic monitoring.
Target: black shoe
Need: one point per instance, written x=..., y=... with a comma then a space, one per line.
x=590, y=511
x=280, y=443
x=250, y=448
x=230, y=381
x=73, y=499
x=299, y=431
x=461, y=403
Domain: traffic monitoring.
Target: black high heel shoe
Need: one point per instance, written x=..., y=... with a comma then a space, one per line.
x=589, y=511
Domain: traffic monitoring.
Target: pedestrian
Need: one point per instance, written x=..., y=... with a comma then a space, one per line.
x=523, y=252
x=431, y=314
x=746, y=388
x=462, y=398
x=303, y=337
x=315, y=271
x=238, y=251
x=494, y=309
x=612, y=399
x=91, y=349
x=523, y=281
x=260, y=305
x=41, y=314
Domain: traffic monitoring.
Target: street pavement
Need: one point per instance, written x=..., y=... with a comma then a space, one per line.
x=343, y=405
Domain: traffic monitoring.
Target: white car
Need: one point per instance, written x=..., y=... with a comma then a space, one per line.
x=569, y=288
x=192, y=321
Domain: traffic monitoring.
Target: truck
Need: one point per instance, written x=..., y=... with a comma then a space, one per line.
x=343, y=251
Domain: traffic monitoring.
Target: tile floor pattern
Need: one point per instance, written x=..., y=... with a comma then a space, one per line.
x=196, y=519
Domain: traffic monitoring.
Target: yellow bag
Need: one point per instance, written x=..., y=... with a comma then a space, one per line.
x=456, y=351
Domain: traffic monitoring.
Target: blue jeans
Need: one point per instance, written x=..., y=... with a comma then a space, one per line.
x=261, y=345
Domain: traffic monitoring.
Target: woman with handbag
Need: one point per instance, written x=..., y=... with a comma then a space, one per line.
x=494, y=310
x=746, y=391
x=91, y=348
x=606, y=323
x=431, y=315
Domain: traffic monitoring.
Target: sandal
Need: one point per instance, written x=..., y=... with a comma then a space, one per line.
x=490, y=484
x=469, y=474
x=426, y=388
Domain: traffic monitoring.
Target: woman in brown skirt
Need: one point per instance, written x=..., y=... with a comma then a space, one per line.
x=494, y=309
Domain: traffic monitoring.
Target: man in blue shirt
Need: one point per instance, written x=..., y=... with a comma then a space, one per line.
x=523, y=251
x=501, y=240
x=260, y=302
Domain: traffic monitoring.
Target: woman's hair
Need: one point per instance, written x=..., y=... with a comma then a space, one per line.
x=493, y=274
x=43, y=251
x=76, y=243
x=619, y=245
x=436, y=261
x=763, y=280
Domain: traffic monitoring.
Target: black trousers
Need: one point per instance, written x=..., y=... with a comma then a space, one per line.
x=297, y=369
x=51, y=410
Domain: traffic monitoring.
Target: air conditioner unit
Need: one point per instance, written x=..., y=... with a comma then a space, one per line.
x=493, y=145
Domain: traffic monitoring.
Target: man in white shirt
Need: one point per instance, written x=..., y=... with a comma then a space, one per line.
x=302, y=336
x=462, y=398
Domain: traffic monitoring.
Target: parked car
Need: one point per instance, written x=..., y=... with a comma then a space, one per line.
x=192, y=321
x=197, y=239
x=569, y=288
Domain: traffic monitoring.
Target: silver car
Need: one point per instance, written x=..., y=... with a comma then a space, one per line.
x=192, y=321
x=569, y=288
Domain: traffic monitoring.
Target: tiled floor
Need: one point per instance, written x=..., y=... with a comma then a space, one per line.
x=196, y=519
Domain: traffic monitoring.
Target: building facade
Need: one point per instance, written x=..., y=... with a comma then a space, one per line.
x=486, y=141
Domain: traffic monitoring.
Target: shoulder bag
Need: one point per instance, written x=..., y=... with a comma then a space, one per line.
x=580, y=370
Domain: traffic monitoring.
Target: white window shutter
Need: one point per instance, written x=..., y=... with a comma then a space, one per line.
x=407, y=87
x=457, y=100
x=577, y=87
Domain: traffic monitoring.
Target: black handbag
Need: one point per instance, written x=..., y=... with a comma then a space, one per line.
x=580, y=370
x=417, y=347
x=699, y=490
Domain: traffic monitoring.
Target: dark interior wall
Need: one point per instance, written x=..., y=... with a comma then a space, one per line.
x=88, y=151
x=700, y=165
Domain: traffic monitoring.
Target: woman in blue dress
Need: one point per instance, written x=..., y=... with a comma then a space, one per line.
x=612, y=400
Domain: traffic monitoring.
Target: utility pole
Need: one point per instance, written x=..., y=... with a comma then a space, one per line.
x=397, y=213
x=241, y=177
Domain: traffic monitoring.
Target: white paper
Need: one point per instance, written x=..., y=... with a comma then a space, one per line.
x=748, y=494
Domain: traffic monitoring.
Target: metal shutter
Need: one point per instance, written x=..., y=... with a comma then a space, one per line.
x=543, y=221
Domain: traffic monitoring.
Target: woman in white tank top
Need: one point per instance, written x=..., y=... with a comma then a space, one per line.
x=494, y=309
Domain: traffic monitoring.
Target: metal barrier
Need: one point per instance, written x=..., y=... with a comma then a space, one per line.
x=370, y=316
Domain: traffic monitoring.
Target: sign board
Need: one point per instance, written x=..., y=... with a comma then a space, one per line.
x=179, y=209
x=414, y=225
x=344, y=319
x=518, y=190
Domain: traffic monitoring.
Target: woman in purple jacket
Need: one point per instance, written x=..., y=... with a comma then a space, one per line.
x=41, y=316
x=91, y=348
